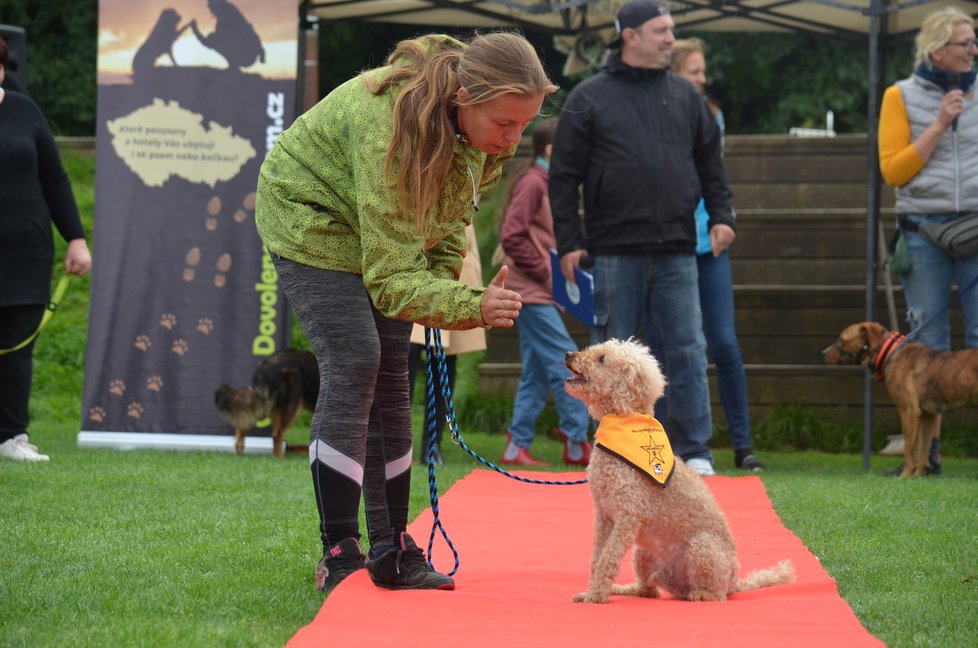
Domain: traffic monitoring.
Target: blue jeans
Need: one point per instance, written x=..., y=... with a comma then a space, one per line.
x=543, y=342
x=927, y=288
x=664, y=288
x=717, y=305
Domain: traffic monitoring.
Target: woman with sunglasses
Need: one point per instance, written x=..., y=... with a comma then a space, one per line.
x=928, y=148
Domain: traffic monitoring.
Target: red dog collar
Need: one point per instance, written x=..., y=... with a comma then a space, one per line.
x=889, y=346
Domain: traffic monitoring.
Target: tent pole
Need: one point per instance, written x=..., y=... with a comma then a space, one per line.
x=872, y=209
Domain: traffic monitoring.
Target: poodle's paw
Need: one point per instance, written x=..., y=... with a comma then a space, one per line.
x=635, y=589
x=589, y=597
x=705, y=595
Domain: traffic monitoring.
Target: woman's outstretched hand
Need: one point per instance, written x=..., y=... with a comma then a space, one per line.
x=499, y=305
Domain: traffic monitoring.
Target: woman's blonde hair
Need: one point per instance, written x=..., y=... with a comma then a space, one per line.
x=422, y=145
x=936, y=32
x=681, y=49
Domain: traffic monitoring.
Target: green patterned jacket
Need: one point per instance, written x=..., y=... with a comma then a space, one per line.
x=323, y=201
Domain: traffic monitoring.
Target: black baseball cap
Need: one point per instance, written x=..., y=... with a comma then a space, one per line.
x=635, y=12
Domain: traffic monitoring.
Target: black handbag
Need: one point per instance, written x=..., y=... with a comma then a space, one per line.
x=958, y=237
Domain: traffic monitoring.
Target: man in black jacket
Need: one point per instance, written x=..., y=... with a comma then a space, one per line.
x=644, y=146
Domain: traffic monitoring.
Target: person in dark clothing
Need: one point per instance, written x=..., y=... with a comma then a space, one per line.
x=642, y=143
x=34, y=193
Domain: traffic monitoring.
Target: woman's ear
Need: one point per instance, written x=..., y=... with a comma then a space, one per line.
x=462, y=96
x=546, y=151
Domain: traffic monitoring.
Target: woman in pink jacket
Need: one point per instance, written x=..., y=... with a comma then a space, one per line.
x=527, y=236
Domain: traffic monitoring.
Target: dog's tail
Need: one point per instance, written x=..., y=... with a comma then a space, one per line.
x=241, y=407
x=780, y=574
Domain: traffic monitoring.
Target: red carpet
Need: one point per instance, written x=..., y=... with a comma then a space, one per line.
x=524, y=551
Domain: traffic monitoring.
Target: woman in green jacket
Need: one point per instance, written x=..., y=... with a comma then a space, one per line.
x=363, y=204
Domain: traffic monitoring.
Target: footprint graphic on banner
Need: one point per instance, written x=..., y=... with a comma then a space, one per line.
x=213, y=209
x=223, y=265
x=192, y=259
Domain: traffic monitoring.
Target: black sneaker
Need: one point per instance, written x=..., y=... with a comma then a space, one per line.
x=338, y=562
x=405, y=569
x=745, y=459
x=934, y=469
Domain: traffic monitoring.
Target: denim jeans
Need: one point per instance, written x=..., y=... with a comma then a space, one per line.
x=927, y=288
x=664, y=288
x=543, y=342
x=717, y=305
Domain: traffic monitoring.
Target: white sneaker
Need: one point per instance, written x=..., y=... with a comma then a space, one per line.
x=19, y=449
x=703, y=467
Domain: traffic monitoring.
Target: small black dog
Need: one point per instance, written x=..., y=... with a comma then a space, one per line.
x=281, y=386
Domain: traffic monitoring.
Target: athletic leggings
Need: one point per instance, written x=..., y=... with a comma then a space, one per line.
x=17, y=323
x=360, y=438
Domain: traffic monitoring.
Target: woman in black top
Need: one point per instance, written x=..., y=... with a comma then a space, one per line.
x=34, y=193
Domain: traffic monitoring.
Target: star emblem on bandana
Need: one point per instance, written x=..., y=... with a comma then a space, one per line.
x=654, y=450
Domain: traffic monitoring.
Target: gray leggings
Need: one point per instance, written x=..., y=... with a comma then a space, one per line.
x=360, y=437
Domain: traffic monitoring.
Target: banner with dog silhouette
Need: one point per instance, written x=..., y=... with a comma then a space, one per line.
x=191, y=97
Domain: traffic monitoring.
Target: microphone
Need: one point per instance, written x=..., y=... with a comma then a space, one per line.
x=953, y=83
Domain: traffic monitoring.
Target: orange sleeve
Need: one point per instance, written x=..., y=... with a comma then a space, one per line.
x=899, y=160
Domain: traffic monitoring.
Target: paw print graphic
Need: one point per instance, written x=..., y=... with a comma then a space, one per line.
x=117, y=387
x=96, y=414
x=135, y=410
x=168, y=321
x=179, y=347
x=143, y=343
x=205, y=325
x=192, y=259
x=154, y=383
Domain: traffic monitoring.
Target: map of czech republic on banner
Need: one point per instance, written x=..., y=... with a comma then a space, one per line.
x=192, y=94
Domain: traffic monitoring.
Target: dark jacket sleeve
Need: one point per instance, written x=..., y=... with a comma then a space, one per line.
x=568, y=166
x=56, y=186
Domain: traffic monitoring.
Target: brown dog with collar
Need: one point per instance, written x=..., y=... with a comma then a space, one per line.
x=922, y=382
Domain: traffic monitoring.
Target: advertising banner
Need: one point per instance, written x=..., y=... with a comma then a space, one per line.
x=192, y=94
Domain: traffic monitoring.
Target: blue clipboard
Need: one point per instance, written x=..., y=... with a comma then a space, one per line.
x=578, y=300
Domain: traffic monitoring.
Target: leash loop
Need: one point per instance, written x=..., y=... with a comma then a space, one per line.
x=435, y=353
x=49, y=310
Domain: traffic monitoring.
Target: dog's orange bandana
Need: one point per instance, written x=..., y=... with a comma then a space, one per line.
x=640, y=441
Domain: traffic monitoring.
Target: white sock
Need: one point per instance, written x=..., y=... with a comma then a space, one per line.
x=511, y=451
x=575, y=450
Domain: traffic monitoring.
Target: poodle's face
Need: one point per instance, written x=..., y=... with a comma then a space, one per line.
x=615, y=377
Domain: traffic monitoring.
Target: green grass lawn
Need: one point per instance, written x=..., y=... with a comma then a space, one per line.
x=149, y=548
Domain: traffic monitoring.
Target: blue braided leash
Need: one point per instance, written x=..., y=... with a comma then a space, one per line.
x=436, y=356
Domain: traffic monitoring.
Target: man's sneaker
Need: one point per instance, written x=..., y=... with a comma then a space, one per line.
x=405, y=568
x=745, y=459
x=19, y=449
x=338, y=562
x=703, y=467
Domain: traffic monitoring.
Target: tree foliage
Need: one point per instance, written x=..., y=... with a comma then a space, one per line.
x=61, y=56
x=767, y=83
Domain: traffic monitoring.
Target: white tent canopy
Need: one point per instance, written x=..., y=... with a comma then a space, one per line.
x=573, y=17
